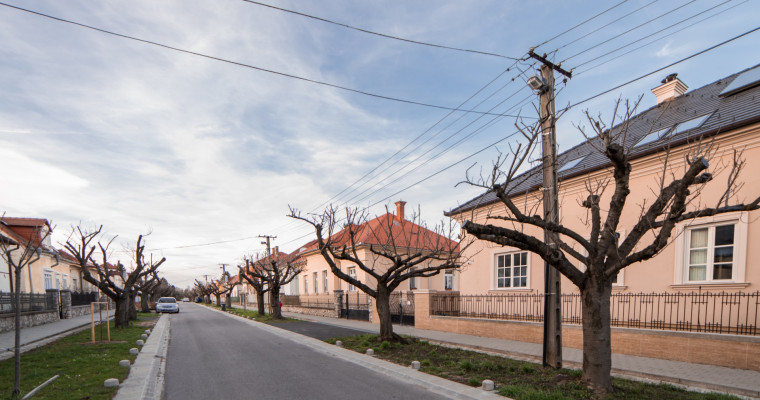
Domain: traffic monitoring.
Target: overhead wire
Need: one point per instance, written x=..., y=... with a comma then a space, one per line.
x=580, y=24
x=387, y=36
x=241, y=64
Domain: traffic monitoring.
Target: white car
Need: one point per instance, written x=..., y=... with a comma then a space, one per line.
x=167, y=305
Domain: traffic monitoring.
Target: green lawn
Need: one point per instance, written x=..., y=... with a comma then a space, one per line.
x=252, y=314
x=83, y=366
x=516, y=379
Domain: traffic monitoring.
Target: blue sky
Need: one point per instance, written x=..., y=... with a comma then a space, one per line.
x=97, y=129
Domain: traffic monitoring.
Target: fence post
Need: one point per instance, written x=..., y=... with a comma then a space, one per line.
x=52, y=301
x=338, y=303
x=422, y=300
x=66, y=304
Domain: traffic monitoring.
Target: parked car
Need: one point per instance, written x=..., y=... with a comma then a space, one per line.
x=167, y=305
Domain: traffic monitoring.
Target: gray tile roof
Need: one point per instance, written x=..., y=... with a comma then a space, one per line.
x=725, y=114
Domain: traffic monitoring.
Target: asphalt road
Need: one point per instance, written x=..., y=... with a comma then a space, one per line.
x=214, y=356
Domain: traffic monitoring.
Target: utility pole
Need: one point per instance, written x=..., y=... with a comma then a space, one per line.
x=552, y=348
x=224, y=270
x=268, y=243
x=206, y=276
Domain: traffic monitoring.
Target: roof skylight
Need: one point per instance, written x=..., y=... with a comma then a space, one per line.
x=571, y=164
x=745, y=80
x=657, y=135
x=691, y=124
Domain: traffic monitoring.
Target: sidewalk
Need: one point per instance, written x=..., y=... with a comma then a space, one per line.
x=695, y=376
x=39, y=335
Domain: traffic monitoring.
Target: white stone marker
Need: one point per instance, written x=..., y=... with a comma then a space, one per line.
x=488, y=385
x=143, y=336
x=339, y=343
x=140, y=342
x=147, y=331
x=133, y=350
x=124, y=363
x=370, y=352
x=109, y=383
x=415, y=364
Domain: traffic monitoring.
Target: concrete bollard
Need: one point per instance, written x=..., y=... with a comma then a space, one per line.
x=109, y=383
x=140, y=342
x=488, y=385
x=339, y=343
x=370, y=352
x=133, y=350
x=415, y=365
x=143, y=336
x=147, y=331
x=124, y=363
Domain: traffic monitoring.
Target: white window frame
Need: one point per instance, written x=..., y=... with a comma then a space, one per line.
x=324, y=281
x=48, y=279
x=448, y=279
x=495, y=270
x=351, y=271
x=316, y=282
x=738, y=272
x=306, y=284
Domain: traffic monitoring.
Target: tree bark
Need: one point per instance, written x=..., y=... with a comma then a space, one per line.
x=121, y=313
x=132, y=306
x=228, y=300
x=597, y=351
x=382, y=304
x=145, y=302
x=260, y=303
x=218, y=299
x=274, y=302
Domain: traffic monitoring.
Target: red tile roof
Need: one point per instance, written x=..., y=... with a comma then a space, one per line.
x=28, y=230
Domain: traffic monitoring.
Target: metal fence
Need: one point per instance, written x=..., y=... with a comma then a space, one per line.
x=730, y=313
x=84, y=298
x=321, y=301
x=30, y=302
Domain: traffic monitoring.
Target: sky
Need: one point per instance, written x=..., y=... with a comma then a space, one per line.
x=206, y=155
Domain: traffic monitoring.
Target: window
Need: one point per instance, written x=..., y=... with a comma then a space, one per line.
x=48, y=280
x=691, y=124
x=571, y=164
x=316, y=284
x=711, y=253
x=352, y=274
x=448, y=279
x=412, y=281
x=305, y=285
x=74, y=285
x=512, y=270
x=653, y=136
x=324, y=280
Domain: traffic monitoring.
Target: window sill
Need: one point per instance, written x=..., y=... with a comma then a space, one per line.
x=709, y=285
x=617, y=288
x=511, y=290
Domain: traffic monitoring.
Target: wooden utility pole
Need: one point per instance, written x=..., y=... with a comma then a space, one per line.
x=268, y=243
x=552, y=348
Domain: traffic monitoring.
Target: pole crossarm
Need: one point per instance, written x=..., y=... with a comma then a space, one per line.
x=553, y=66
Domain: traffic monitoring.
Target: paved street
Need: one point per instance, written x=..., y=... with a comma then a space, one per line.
x=214, y=356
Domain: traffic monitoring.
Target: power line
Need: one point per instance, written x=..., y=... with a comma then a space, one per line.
x=662, y=68
x=580, y=24
x=381, y=34
x=240, y=64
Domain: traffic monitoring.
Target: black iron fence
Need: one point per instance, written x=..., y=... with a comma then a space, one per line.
x=355, y=305
x=731, y=313
x=321, y=301
x=402, y=308
x=83, y=298
x=30, y=302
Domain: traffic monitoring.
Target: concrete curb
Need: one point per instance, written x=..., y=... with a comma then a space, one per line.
x=444, y=387
x=146, y=376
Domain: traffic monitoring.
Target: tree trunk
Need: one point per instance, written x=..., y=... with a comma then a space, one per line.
x=218, y=300
x=132, y=306
x=274, y=302
x=260, y=303
x=145, y=302
x=17, y=336
x=597, y=345
x=382, y=304
x=121, y=313
x=228, y=300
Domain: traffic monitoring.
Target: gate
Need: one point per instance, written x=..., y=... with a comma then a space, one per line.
x=402, y=308
x=355, y=306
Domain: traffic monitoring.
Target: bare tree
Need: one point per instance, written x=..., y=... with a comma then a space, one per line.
x=226, y=287
x=275, y=271
x=205, y=290
x=147, y=285
x=259, y=285
x=83, y=245
x=397, y=250
x=19, y=253
x=604, y=254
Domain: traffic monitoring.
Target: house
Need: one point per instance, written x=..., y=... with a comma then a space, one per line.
x=42, y=274
x=713, y=254
x=316, y=278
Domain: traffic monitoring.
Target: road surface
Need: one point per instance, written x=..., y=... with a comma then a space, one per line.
x=213, y=356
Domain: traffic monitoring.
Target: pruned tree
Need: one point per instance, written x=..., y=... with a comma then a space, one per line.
x=226, y=287
x=216, y=290
x=19, y=253
x=388, y=249
x=259, y=285
x=205, y=290
x=92, y=254
x=275, y=271
x=676, y=198
x=147, y=285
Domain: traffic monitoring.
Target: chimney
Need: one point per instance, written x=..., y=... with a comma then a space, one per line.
x=671, y=88
x=400, y=210
x=276, y=250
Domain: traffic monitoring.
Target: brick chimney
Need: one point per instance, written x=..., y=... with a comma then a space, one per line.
x=400, y=210
x=671, y=88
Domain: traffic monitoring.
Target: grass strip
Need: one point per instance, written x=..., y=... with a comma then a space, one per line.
x=252, y=314
x=83, y=366
x=519, y=380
